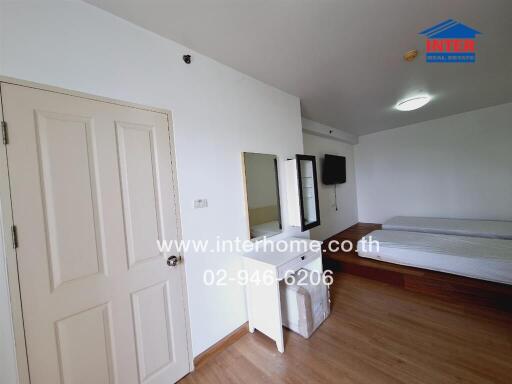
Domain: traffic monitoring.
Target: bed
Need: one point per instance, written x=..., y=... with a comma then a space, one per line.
x=266, y=229
x=461, y=227
x=475, y=257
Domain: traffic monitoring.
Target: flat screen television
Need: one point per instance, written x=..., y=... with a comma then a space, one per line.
x=334, y=170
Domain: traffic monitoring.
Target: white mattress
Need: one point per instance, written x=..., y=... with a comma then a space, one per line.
x=480, y=258
x=464, y=227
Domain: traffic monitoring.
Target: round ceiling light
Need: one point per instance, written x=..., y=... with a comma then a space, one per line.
x=413, y=103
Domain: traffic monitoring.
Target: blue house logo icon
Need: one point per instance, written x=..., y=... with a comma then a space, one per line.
x=450, y=42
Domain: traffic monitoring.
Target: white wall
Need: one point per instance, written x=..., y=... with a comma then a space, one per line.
x=458, y=166
x=322, y=130
x=217, y=112
x=332, y=221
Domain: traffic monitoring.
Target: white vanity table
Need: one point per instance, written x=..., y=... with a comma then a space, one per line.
x=263, y=299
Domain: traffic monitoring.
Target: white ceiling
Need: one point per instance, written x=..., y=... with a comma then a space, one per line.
x=343, y=58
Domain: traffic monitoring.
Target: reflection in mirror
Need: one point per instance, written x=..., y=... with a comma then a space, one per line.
x=262, y=189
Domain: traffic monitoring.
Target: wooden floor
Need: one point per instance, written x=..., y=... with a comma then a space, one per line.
x=377, y=333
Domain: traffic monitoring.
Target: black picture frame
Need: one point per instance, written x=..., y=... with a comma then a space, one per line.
x=304, y=226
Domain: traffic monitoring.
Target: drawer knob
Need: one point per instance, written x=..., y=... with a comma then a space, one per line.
x=302, y=257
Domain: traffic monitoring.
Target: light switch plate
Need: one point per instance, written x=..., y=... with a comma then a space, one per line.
x=200, y=203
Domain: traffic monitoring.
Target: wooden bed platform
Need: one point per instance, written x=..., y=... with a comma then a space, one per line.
x=442, y=285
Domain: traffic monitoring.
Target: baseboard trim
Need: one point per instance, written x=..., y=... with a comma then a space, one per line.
x=222, y=344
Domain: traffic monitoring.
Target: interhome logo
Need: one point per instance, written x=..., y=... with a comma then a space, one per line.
x=450, y=42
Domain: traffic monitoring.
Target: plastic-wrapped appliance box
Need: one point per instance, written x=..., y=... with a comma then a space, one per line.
x=304, y=306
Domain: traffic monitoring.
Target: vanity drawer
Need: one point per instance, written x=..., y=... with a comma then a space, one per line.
x=295, y=264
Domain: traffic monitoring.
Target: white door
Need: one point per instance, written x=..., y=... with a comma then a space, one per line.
x=92, y=190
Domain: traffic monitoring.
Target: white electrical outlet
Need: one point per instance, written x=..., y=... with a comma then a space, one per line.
x=200, y=203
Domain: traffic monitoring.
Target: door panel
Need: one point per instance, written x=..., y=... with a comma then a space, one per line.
x=69, y=196
x=153, y=331
x=95, y=347
x=92, y=190
x=141, y=197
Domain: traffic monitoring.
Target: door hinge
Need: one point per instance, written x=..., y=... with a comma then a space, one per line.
x=5, y=136
x=14, y=231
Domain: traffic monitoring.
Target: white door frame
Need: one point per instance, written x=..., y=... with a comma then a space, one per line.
x=7, y=220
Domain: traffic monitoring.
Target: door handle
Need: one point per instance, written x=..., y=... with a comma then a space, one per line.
x=173, y=261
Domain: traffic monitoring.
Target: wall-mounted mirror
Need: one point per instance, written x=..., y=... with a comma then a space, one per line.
x=262, y=193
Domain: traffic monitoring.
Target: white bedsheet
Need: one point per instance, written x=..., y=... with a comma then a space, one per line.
x=266, y=229
x=464, y=227
x=480, y=258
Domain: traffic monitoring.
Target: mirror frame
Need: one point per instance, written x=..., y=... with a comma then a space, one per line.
x=316, y=223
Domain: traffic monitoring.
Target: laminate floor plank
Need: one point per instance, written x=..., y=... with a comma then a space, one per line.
x=377, y=333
